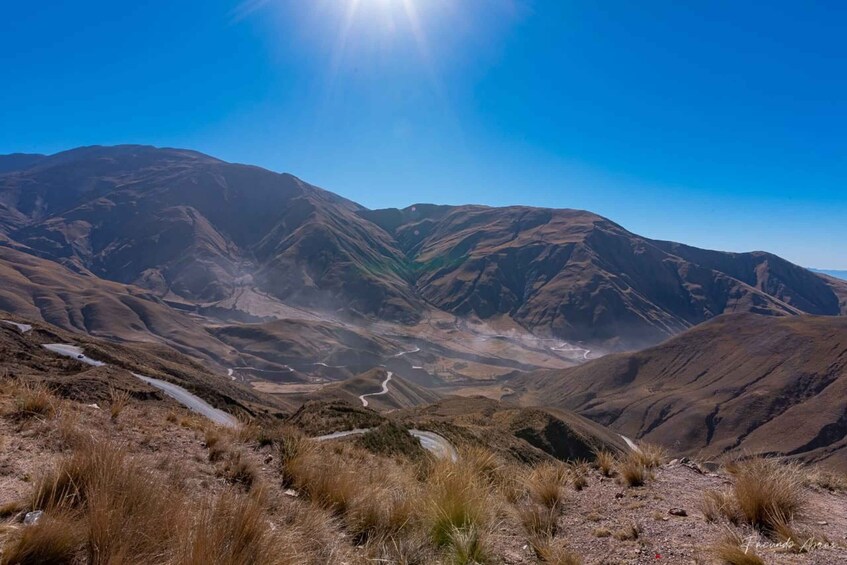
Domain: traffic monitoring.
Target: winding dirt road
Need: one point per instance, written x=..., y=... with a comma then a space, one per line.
x=190, y=401
x=383, y=391
x=432, y=442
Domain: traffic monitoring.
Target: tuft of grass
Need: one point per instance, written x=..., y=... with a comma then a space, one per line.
x=381, y=512
x=53, y=540
x=579, y=478
x=632, y=470
x=469, y=546
x=233, y=529
x=602, y=532
x=32, y=400
x=719, y=503
x=538, y=521
x=556, y=552
x=546, y=484
x=118, y=400
x=291, y=446
x=629, y=532
x=13, y=507
x=605, y=463
x=731, y=551
x=651, y=455
x=240, y=469
x=767, y=492
x=826, y=479
x=457, y=502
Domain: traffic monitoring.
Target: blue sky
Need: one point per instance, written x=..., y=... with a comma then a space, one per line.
x=722, y=125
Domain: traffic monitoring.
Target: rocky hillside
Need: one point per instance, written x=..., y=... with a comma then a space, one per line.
x=742, y=382
x=267, y=493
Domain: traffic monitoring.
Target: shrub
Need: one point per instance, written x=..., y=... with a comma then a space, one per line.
x=391, y=439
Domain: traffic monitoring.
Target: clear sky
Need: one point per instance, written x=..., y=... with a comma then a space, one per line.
x=718, y=124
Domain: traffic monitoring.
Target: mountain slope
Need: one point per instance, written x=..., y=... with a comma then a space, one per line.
x=740, y=382
x=185, y=224
x=249, y=244
x=579, y=276
x=38, y=289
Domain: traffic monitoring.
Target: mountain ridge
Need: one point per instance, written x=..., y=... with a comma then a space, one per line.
x=190, y=227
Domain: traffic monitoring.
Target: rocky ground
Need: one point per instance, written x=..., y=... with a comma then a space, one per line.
x=313, y=516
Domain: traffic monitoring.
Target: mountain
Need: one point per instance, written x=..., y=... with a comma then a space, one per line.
x=741, y=382
x=237, y=243
x=38, y=289
x=578, y=276
x=187, y=225
x=18, y=161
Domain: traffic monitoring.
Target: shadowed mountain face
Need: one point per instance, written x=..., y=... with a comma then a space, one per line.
x=579, y=276
x=184, y=224
x=741, y=382
x=192, y=229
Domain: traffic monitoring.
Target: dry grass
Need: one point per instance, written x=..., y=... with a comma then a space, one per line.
x=123, y=512
x=767, y=492
x=632, y=470
x=469, y=546
x=538, y=521
x=53, y=540
x=239, y=469
x=556, y=552
x=651, y=455
x=716, y=504
x=31, y=400
x=605, y=463
x=233, y=529
x=732, y=551
x=457, y=502
x=630, y=532
x=826, y=479
x=118, y=400
x=546, y=484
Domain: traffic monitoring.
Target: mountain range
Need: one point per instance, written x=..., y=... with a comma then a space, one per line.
x=296, y=294
x=193, y=230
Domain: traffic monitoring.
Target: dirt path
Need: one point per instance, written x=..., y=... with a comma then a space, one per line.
x=383, y=391
x=432, y=442
x=190, y=401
